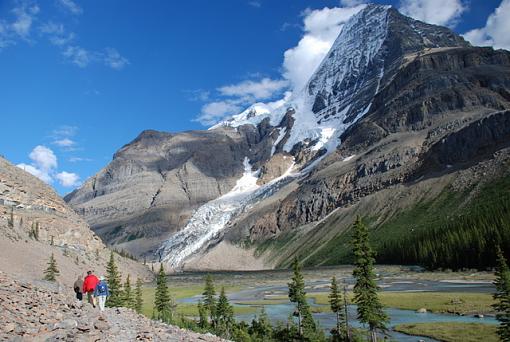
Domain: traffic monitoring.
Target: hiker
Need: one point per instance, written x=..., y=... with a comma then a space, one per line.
x=77, y=287
x=101, y=292
x=89, y=285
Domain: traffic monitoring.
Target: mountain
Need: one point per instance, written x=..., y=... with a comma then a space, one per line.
x=400, y=114
x=27, y=205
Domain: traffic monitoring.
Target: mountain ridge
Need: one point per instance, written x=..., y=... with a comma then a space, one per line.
x=388, y=102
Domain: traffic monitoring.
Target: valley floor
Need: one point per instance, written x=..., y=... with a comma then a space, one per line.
x=450, y=298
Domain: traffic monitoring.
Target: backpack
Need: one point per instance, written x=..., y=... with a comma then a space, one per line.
x=101, y=288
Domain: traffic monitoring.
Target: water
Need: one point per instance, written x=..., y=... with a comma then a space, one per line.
x=263, y=285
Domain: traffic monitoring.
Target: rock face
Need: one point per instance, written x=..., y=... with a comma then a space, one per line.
x=27, y=205
x=394, y=102
x=45, y=313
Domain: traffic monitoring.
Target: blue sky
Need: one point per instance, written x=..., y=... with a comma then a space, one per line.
x=82, y=78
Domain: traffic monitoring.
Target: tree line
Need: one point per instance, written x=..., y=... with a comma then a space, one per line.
x=466, y=240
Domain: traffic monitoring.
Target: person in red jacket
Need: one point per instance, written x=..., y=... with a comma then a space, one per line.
x=89, y=285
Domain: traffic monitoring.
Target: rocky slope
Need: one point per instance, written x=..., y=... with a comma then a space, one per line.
x=26, y=204
x=397, y=108
x=43, y=312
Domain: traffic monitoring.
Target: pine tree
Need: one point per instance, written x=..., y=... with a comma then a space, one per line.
x=224, y=315
x=138, y=296
x=261, y=329
x=202, y=315
x=306, y=325
x=337, y=307
x=10, y=220
x=51, y=272
x=128, y=295
x=502, y=296
x=209, y=298
x=113, y=278
x=162, y=298
x=370, y=309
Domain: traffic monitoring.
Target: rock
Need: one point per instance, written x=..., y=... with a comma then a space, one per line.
x=7, y=328
x=101, y=325
x=66, y=324
x=421, y=310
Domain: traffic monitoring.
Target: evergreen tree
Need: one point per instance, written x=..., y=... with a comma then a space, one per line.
x=52, y=271
x=261, y=329
x=337, y=307
x=202, y=315
x=113, y=278
x=502, y=296
x=370, y=309
x=162, y=299
x=10, y=220
x=209, y=298
x=138, y=296
x=128, y=294
x=306, y=325
x=224, y=315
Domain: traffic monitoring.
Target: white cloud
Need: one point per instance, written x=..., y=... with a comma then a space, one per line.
x=321, y=27
x=496, y=31
x=215, y=111
x=44, y=176
x=44, y=166
x=43, y=158
x=255, y=4
x=439, y=12
x=56, y=33
x=82, y=57
x=25, y=14
x=352, y=3
x=263, y=89
x=44, y=162
x=66, y=142
x=70, y=6
x=68, y=179
x=113, y=59
x=78, y=56
x=79, y=159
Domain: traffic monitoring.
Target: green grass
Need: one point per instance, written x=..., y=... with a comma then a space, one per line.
x=451, y=332
x=180, y=292
x=439, y=302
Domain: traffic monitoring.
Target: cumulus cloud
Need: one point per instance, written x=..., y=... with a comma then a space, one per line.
x=496, y=31
x=43, y=158
x=45, y=177
x=321, y=27
x=263, y=89
x=44, y=162
x=212, y=112
x=70, y=6
x=439, y=12
x=68, y=179
x=44, y=166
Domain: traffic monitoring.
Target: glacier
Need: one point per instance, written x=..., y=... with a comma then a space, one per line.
x=209, y=220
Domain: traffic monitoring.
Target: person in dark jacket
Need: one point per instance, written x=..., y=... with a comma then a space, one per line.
x=89, y=285
x=101, y=293
x=77, y=287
